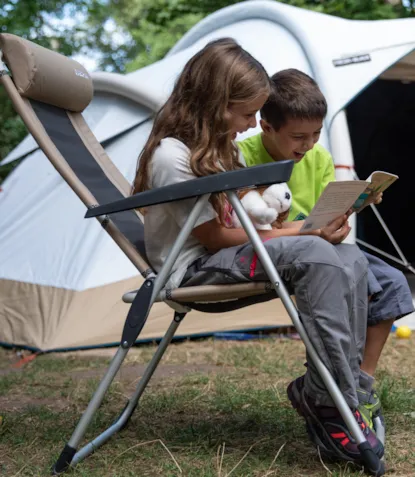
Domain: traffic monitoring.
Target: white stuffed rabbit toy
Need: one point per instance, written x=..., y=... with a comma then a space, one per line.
x=267, y=207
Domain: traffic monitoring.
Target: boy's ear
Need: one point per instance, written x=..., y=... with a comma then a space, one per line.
x=266, y=127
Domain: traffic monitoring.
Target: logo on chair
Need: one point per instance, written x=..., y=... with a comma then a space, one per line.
x=81, y=73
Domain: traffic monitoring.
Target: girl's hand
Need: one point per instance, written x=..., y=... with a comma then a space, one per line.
x=336, y=231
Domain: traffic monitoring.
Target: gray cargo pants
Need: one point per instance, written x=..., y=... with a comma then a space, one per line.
x=330, y=286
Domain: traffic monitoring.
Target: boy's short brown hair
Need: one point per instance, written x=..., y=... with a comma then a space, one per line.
x=294, y=95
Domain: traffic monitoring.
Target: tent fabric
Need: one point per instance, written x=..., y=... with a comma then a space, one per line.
x=324, y=39
x=50, y=318
x=404, y=70
x=60, y=269
x=381, y=129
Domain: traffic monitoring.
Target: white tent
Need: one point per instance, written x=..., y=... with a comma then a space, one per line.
x=62, y=277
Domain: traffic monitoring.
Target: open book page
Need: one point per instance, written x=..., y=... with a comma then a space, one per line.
x=336, y=199
x=379, y=182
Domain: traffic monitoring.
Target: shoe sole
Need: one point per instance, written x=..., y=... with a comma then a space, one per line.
x=294, y=395
x=297, y=397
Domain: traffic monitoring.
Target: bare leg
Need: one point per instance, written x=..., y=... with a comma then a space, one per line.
x=375, y=341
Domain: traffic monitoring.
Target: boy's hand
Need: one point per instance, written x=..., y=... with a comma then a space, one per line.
x=336, y=231
x=378, y=198
x=375, y=198
x=349, y=212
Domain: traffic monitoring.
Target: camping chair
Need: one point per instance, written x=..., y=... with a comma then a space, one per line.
x=49, y=92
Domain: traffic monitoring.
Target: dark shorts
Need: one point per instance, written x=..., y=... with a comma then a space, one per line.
x=390, y=292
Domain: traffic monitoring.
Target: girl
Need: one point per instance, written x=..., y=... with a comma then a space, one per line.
x=216, y=96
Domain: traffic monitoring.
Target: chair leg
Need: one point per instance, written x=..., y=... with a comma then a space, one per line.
x=136, y=318
x=148, y=373
x=372, y=462
x=69, y=457
x=380, y=429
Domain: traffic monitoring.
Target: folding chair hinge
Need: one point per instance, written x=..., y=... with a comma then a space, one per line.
x=148, y=273
x=180, y=310
x=166, y=296
x=3, y=68
x=103, y=219
x=138, y=313
x=105, y=222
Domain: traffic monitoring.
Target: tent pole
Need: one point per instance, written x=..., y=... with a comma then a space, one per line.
x=403, y=260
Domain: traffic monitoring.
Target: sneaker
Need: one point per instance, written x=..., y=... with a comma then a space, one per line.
x=369, y=404
x=370, y=407
x=327, y=428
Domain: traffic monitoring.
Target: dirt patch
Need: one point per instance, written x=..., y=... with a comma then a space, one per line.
x=163, y=371
x=128, y=375
x=10, y=370
x=18, y=403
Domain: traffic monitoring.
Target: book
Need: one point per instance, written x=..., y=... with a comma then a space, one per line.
x=341, y=196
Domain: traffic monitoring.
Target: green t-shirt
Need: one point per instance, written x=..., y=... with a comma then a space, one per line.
x=309, y=178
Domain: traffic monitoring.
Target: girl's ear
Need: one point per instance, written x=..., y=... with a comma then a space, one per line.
x=228, y=115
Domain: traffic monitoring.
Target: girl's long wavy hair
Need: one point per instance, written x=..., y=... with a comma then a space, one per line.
x=218, y=76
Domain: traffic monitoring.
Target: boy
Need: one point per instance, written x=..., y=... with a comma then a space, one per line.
x=292, y=120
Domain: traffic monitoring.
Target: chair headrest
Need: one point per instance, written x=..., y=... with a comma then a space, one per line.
x=46, y=76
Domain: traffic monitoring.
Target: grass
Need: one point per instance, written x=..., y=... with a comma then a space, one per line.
x=216, y=409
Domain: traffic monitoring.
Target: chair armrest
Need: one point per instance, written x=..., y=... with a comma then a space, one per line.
x=266, y=174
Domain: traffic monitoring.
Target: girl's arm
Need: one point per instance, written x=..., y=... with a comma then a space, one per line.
x=296, y=224
x=214, y=236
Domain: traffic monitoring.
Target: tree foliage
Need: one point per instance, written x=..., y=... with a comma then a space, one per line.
x=128, y=34
x=54, y=24
x=156, y=25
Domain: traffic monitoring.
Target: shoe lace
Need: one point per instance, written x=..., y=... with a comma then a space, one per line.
x=360, y=421
x=342, y=435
